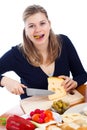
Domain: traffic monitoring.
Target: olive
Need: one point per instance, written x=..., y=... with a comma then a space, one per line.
x=60, y=106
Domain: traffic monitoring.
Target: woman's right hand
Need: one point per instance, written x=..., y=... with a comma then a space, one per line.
x=13, y=86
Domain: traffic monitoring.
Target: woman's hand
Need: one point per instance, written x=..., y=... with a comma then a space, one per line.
x=69, y=84
x=12, y=85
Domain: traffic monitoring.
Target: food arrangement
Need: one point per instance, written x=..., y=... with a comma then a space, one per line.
x=41, y=116
x=39, y=119
x=54, y=84
x=36, y=118
x=70, y=121
x=45, y=119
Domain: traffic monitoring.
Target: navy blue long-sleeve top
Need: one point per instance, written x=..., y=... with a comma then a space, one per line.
x=34, y=77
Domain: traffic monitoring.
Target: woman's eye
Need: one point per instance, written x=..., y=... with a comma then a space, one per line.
x=31, y=26
x=42, y=23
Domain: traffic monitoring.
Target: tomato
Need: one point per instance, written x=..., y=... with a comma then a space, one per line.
x=48, y=113
x=35, y=117
x=47, y=119
x=49, y=116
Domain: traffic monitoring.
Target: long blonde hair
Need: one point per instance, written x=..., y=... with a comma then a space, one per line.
x=32, y=54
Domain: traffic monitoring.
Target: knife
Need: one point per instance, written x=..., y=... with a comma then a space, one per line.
x=39, y=92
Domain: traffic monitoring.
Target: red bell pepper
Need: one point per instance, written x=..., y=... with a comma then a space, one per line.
x=19, y=123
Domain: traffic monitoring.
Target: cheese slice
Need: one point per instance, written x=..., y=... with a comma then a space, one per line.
x=54, y=84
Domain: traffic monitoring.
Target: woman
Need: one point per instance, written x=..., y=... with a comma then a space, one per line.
x=42, y=54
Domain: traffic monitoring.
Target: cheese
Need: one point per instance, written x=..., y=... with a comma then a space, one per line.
x=54, y=84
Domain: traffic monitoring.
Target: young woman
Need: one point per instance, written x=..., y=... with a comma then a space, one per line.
x=42, y=54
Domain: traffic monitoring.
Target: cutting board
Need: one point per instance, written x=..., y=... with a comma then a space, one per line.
x=43, y=102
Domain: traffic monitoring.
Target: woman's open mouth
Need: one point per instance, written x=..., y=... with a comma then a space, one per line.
x=39, y=36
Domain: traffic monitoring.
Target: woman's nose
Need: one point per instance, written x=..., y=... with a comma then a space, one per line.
x=38, y=29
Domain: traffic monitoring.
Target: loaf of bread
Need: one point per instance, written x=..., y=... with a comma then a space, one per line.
x=55, y=85
x=68, y=126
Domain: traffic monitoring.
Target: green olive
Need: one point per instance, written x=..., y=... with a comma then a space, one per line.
x=60, y=106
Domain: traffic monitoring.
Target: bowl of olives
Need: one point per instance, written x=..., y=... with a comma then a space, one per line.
x=59, y=106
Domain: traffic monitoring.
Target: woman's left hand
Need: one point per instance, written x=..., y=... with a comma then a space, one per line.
x=69, y=84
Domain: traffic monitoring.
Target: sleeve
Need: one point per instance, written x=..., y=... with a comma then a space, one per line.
x=77, y=70
x=6, y=62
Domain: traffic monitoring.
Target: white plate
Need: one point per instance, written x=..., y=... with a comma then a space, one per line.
x=77, y=108
x=57, y=117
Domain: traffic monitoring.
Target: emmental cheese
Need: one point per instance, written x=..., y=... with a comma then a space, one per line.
x=55, y=85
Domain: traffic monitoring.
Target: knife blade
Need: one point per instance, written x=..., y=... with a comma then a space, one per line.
x=39, y=92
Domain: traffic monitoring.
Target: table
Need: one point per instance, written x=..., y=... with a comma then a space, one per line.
x=18, y=110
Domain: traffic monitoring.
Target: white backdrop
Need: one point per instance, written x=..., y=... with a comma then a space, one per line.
x=67, y=17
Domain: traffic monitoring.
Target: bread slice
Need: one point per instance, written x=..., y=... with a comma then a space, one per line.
x=54, y=84
x=53, y=127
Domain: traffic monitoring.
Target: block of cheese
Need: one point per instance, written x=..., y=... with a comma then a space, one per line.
x=54, y=84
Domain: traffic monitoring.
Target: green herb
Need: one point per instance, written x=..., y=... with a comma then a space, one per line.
x=3, y=121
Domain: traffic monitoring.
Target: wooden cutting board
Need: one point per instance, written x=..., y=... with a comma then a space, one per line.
x=42, y=102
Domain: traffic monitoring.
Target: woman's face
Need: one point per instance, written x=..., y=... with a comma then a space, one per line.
x=37, y=28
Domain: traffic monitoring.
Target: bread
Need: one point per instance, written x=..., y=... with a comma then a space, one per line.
x=54, y=84
x=75, y=120
x=53, y=127
x=74, y=117
x=75, y=125
x=68, y=126
x=71, y=126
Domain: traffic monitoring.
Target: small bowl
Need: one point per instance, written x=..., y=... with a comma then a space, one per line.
x=60, y=106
